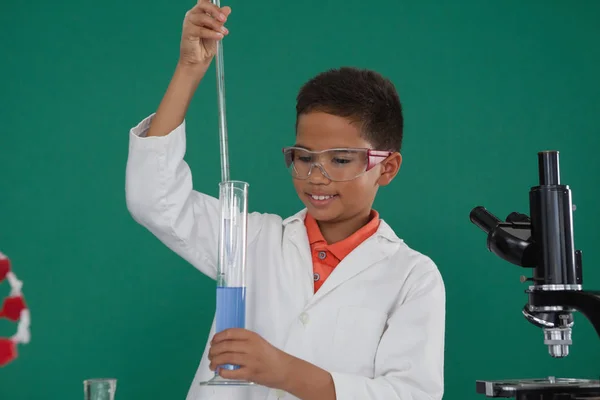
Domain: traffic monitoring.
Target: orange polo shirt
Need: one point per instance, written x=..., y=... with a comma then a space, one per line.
x=325, y=256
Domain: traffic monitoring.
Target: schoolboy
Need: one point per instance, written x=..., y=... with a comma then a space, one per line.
x=339, y=306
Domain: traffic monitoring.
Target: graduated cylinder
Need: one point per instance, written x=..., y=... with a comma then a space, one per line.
x=99, y=389
x=231, y=274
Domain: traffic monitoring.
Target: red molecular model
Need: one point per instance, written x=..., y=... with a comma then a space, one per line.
x=14, y=309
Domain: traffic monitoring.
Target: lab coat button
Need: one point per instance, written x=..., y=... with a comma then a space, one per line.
x=322, y=255
x=304, y=318
x=280, y=394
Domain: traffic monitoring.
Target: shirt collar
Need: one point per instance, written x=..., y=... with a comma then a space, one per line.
x=296, y=223
x=342, y=248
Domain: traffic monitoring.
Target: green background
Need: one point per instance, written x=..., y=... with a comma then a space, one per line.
x=485, y=86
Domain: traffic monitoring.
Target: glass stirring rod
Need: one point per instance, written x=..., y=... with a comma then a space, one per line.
x=222, y=111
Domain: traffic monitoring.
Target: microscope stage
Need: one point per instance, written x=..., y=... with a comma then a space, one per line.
x=547, y=388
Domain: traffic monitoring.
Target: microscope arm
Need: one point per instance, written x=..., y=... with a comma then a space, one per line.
x=588, y=302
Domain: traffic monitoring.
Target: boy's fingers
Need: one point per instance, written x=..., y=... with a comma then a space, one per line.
x=232, y=334
x=229, y=346
x=236, y=374
x=226, y=10
x=205, y=33
x=209, y=8
x=230, y=358
x=204, y=20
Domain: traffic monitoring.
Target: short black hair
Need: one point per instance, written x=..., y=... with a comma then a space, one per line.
x=361, y=95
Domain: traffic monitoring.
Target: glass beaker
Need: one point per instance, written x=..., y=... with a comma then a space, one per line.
x=99, y=389
x=231, y=269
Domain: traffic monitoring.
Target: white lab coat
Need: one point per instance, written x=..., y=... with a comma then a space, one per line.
x=377, y=324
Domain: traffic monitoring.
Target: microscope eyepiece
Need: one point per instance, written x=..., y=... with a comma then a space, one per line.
x=548, y=166
x=483, y=219
x=508, y=240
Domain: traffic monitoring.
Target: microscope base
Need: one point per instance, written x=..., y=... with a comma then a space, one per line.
x=541, y=389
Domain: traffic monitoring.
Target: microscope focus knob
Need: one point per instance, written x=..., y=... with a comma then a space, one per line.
x=524, y=279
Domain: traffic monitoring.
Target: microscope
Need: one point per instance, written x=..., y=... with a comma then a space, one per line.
x=543, y=242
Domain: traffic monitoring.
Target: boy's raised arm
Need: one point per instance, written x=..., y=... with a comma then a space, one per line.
x=176, y=100
x=159, y=191
x=202, y=27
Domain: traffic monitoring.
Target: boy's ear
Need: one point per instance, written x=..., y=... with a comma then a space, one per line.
x=389, y=169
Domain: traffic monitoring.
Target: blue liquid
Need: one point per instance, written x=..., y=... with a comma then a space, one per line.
x=231, y=311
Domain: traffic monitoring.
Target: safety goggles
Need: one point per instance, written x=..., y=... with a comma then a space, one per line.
x=339, y=164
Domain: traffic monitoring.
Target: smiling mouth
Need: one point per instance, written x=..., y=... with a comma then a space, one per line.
x=321, y=200
x=321, y=197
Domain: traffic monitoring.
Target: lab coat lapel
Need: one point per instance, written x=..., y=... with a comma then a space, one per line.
x=295, y=236
x=362, y=257
x=380, y=245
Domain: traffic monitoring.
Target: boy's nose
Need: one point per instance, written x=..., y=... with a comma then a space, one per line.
x=318, y=176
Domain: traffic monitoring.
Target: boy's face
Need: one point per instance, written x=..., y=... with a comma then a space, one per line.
x=320, y=131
